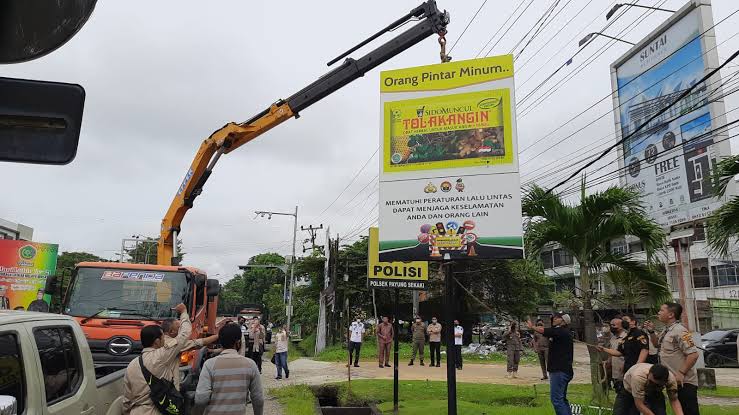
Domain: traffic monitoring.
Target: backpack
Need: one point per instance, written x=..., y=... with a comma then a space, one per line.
x=163, y=393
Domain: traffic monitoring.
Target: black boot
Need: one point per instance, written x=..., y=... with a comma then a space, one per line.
x=410, y=363
x=422, y=363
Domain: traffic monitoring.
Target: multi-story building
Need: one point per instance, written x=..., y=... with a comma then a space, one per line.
x=11, y=230
x=715, y=280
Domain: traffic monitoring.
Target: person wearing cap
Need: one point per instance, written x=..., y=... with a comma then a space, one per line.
x=678, y=352
x=560, y=360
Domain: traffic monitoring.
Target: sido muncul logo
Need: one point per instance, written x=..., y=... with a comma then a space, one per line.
x=27, y=252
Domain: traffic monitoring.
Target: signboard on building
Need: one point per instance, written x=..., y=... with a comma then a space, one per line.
x=408, y=275
x=24, y=267
x=670, y=160
x=449, y=181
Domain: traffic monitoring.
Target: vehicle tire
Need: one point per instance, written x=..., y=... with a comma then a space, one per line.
x=713, y=360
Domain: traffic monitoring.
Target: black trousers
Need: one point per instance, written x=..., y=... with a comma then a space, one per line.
x=257, y=358
x=688, y=397
x=435, y=349
x=354, y=348
x=458, y=356
x=624, y=404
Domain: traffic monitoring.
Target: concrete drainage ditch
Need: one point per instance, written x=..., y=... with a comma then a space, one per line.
x=328, y=403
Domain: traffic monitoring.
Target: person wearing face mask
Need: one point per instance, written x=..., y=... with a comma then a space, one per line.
x=418, y=330
x=434, y=332
x=642, y=391
x=458, y=336
x=356, y=333
x=616, y=362
x=634, y=347
x=514, y=348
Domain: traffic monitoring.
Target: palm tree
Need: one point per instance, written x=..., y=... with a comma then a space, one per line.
x=635, y=288
x=724, y=222
x=586, y=231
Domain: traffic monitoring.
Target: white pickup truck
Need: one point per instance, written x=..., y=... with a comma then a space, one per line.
x=46, y=368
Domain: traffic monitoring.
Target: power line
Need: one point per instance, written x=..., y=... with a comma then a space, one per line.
x=644, y=124
x=350, y=182
x=500, y=28
x=623, y=86
x=468, y=26
x=540, y=23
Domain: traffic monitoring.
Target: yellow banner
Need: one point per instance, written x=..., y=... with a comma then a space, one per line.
x=410, y=271
x=448, y=131
x=448, y=75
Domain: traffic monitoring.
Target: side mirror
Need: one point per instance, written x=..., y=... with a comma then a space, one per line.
x=213, y=287
x=8, y=405
x=50, y=288
x=40, y=121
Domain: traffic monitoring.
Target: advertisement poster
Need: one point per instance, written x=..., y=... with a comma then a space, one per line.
x=671, y=158
x=24, y=267
x=449, y=182
x=408, y=275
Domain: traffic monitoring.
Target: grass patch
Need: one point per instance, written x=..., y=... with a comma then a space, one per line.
x=427, y=397
x=339, y=353
x=721, y=392
x=295, y=400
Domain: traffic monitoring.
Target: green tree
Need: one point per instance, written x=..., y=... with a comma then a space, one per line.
x=635, y=288
x=507, y=288
x=586, y=230
x=723, y=225
x=145, y=252
x=65, y=264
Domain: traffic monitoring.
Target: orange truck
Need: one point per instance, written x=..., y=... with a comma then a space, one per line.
x=112, y=301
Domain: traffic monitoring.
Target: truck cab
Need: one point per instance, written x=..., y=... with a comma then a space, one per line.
x=113, y=301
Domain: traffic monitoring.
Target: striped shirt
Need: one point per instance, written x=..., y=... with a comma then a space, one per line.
x=225, y=383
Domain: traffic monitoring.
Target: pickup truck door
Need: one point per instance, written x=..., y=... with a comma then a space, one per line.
x=67, y=373
x=20, y=369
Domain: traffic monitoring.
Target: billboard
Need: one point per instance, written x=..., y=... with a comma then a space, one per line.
x=449, y=182
x=24, y=267
x=670, y=160
x=409, y=275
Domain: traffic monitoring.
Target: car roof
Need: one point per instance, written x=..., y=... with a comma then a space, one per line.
x=11, y=317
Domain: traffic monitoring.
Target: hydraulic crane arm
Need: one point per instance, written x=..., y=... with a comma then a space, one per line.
x=233, y=136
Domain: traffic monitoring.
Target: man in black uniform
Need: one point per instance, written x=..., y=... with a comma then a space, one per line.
x=634, y=348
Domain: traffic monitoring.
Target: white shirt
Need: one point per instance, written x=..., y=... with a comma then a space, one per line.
x=357, y=329
x=458, y=330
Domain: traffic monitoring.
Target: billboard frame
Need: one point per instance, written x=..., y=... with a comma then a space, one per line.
x=716, y=109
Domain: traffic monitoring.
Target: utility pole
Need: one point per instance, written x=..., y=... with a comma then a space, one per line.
x=287, y=290
x=312, y=230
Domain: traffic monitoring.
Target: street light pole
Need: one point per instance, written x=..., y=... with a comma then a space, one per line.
x=285, y=288
x=619, y=5
x=591, y=35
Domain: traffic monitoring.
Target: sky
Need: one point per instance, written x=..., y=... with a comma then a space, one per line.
x=160, y=77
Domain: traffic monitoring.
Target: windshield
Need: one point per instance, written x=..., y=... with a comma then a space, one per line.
x=126, y=294
x=714, y=335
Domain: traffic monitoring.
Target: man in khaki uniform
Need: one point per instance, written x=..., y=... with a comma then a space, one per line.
x=642, y=392
x=419, y=339
x=617, y=362
x=171, y=328
x=434, y=332
x=158, y=360
x=678, y=352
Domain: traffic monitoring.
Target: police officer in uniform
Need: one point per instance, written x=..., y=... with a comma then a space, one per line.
x=678, y=352
x=634, y=348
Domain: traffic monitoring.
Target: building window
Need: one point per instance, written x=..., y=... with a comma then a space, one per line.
x=701, y=276
x=699, y=232
x=562, y=257
x=619, y=247
x=60, y=361
x=12, y=379
x=724, y=275
x=564, y=284
x=636, y=247
x=547, y=260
